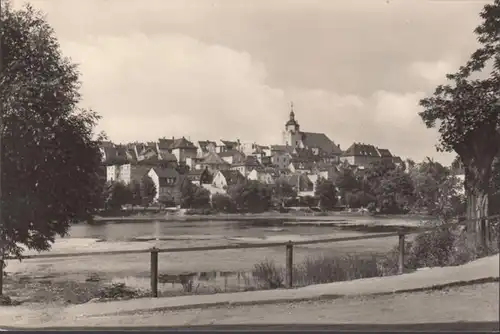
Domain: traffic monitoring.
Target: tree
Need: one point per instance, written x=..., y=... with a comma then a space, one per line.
x=358, y=199
x=148, y=190
x=194, y=197
x=467, y=111
x=135, y=193
x=251, y=196
x=50, y=157
x=347, y=183
x=435, y=187
x=117, y=195
x=223, y=203
x=282, y=190
x=394, y=192
x=326, y=193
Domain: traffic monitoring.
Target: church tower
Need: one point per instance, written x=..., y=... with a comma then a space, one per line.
x=292, y=135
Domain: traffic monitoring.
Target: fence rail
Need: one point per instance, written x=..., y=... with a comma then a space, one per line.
x=401, y=234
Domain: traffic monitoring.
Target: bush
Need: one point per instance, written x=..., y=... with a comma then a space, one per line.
x=118, y=291
x=267, y=275
x=442, y=247
x=223, y=203
x=326, y=269
x=204, y=211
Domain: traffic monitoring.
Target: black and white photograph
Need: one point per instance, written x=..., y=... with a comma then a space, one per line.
x=257, y=165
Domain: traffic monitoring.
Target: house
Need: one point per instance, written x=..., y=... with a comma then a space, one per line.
x=127, y=173
x=261, y=176
x=318, y=143
x=113, y=154
x=232, y=156
x=397, y=161
x=385, y=154
x=326, y=171
x=281, y=159
x=168, y=183
x=199, y=176
x=213, y=163
x=361, y=154
x=183, y=149
x=247, y=165
x=254, y=149
x=300, y=167
x=227, y=145
x=225, y=178
x=205, y=146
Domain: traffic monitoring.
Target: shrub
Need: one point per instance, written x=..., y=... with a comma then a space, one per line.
x=326, y=269
x=223, y=203
x=431, y=249
x=267, y=275
x=441, y=247
x=201, y=212
x=118, y=291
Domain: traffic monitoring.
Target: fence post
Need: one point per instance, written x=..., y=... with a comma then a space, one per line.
x=154, y=272
x=401, y=261
x=289, y=265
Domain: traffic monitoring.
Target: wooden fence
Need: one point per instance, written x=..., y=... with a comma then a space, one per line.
x=287, y=245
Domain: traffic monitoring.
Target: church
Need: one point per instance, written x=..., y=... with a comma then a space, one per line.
x=318, y=143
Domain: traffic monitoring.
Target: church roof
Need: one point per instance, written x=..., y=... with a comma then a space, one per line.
x=321, y=141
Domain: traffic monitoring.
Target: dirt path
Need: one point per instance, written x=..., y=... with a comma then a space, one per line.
x=478, y=303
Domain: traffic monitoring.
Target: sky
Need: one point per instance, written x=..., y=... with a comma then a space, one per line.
x=228, y=69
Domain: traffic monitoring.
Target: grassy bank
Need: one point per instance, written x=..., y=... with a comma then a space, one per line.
x=440, y=248
x=445, y=247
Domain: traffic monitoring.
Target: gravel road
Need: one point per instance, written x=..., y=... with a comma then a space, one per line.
x=477, y=303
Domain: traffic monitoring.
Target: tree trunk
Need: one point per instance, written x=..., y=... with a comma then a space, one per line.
x=477, y=181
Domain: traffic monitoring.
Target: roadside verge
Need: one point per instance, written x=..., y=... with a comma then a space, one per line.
x=480, y=271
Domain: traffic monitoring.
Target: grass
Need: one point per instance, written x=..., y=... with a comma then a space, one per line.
x=47, y=290
x=442, y=247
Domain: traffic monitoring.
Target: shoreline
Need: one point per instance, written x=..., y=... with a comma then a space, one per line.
x=333, y=218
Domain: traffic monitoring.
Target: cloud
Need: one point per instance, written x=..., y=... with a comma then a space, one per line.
x=433, y=72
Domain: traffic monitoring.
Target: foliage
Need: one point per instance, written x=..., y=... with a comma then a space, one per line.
x=440, y=247
x=309, y=201
x=436, y=189
x=194, y=197
x=167, y=201
x=346, y=181
x=359, y=199
x=326, y=193
x=467, y=112
x=282, y=190
x=223, y=203
x=46, y=185
x=147, y=190
x=394, y=192
x=201, y=211
x=117, y=195
x=135, y=193
x=251, y=196
x=268, y=275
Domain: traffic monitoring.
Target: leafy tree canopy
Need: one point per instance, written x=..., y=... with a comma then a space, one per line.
x=50, y=160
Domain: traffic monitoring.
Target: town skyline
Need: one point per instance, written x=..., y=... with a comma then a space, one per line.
x=156, y=69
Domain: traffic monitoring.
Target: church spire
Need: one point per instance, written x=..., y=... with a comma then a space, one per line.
x=292, y=123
